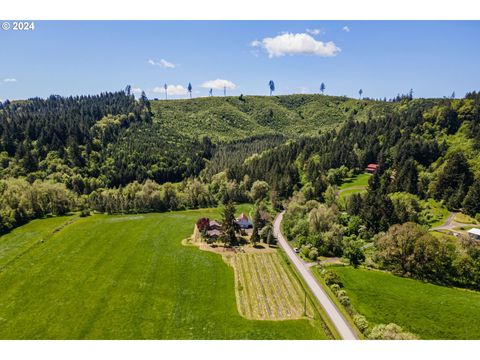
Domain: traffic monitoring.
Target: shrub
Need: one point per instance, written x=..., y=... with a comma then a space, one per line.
x=305, y=250
x=390, y=332
x=84, y=213
x=313, y=254
x=332, y=278
x=335, y=288
x=360, y=322
x=341, y=293
x=344, y=300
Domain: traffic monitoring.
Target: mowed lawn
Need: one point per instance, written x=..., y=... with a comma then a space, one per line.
x=430, y=311
x=123, y=277
x=358, y=181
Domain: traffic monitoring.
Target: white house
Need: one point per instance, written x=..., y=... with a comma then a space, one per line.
x=474, y=233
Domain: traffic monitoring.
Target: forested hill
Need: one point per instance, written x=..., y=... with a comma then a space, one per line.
x=233, y=118
x=111, y=152
x=111, y=139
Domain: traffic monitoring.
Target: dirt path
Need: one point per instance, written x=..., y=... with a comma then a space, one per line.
x=451, y=224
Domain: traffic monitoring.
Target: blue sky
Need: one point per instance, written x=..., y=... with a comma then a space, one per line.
x=383, y=58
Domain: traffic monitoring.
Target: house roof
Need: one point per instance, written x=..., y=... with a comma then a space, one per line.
x=243, y=217
x=214, y=223
x=214, y=233
x=474, y=231
x=372, y=166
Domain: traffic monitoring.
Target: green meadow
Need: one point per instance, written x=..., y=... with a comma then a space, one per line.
x=430, y=311
x=123, y=277
x=358, y=181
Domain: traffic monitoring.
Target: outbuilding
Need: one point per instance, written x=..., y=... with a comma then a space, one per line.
x=371, y=168
x=474, y=234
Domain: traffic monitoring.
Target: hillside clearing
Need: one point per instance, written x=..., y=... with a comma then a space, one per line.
x=358, y=181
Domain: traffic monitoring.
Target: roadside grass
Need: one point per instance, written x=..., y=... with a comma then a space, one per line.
x=316, y=272
x=319, y=313
x=126, y=277
x=430, y=311
x=463, y=229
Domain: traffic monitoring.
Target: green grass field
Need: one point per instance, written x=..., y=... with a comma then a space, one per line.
x=123, y=277
x=360, y=180
x=430, y=311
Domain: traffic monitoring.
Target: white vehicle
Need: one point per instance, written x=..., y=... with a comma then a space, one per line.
x=297, y=250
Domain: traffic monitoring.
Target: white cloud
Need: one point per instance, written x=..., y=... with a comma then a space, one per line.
x=219, y=84
x=137, y=90
x=162, y=63
x=304, y=90
x=296, y=44
x=314, y=31
x=171, y=90
x=10, y=80
x=346, y=29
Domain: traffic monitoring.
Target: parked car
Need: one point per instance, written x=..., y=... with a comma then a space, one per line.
x=297, y=250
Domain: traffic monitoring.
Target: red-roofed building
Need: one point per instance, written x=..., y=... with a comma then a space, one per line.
x=371, y=168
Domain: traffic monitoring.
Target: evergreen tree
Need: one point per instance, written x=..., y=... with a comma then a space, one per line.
x=189, y=88
x=257, y=226
x=229, y=224
x=406, y=178
x=453, y=181
x=322, y=87
x=471, y=204
x=271, y=86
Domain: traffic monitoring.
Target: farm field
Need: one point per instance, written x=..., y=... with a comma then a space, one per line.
x=124, y=277
x=19, y=241
x=266, y=289
x=430, y=311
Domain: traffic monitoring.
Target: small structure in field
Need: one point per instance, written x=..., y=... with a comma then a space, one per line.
x=474, y=234
x=243, y=222
x=371, y=168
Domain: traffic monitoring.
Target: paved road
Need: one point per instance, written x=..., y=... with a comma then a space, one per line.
x=332, y=311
